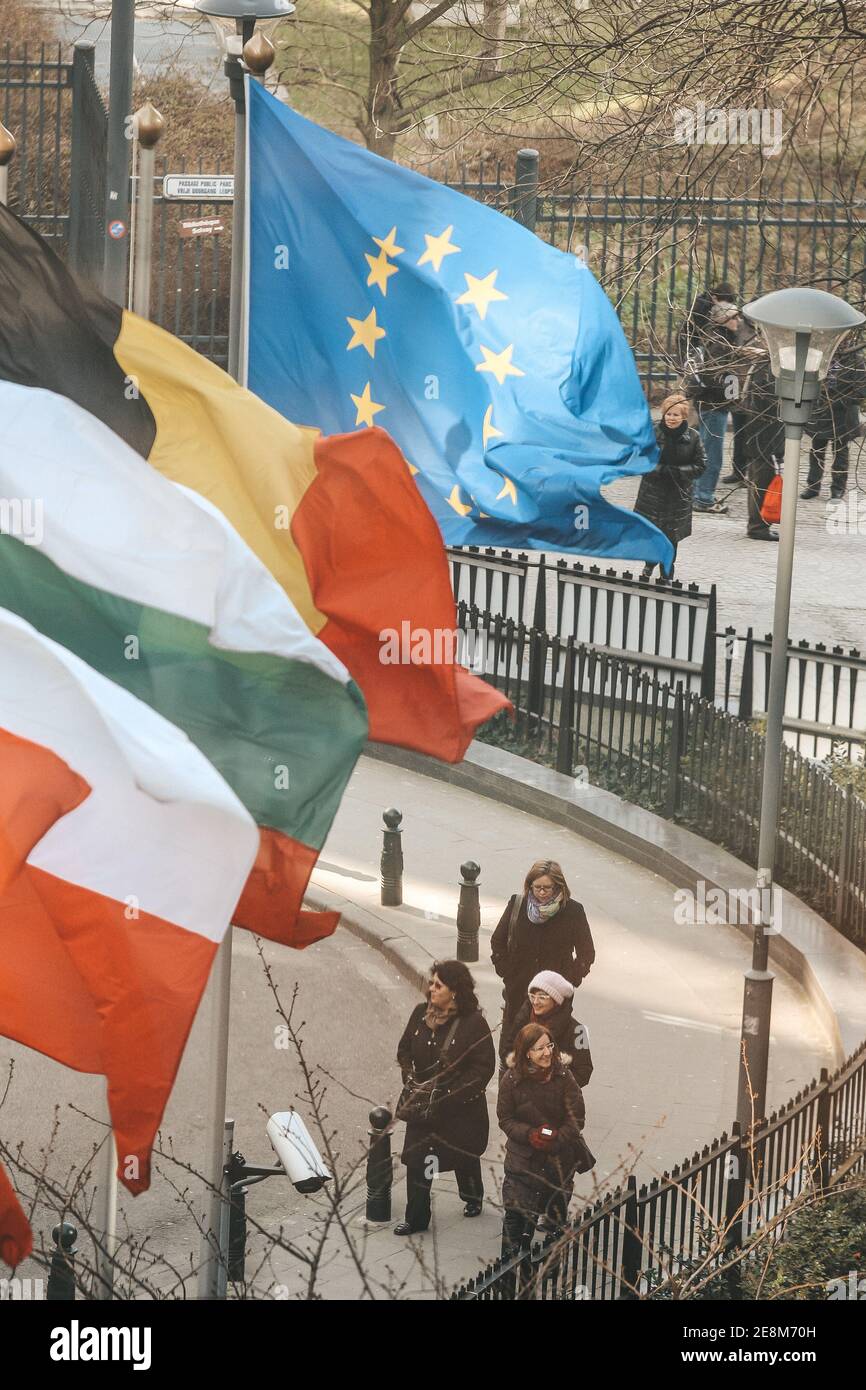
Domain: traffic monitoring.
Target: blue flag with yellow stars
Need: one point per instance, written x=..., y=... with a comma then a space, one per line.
x=496, y=362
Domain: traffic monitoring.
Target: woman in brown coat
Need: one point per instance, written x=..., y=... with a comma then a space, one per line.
x=541, y=1112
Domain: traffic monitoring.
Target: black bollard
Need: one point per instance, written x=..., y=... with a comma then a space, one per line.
x=380, y=1172
x=468, y=912
x=391, y=865
x=237, y=1235
x=61, y=1277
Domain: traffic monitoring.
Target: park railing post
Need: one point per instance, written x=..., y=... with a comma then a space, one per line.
x=632, y=1245
x=824, y=1158
x=526, y=189
x=675, y=755
x=61, y=1276
x=391, y=863
x=735, y=1196
x=380, y=1168
x=468, y=912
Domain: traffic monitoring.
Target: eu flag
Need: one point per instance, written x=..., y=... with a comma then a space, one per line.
x=496, y=362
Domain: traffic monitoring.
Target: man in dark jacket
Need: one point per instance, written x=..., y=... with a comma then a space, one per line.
x=713, y=389
x=690, y=354
x=835, y=420
x=765, y=444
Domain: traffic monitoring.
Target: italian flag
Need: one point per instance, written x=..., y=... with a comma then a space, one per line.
x=338, y=521
x=122, y=855
x=150, y=585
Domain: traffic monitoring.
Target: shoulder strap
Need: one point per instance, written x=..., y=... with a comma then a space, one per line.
x=512, y=921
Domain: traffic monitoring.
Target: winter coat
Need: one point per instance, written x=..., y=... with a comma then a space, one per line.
x=570, y=1036
x=533, y=1175
x=665, y=495
x=457, y=1126
x=723, y=362
x=693, y=328
x=563, y=943
x=836, y=413
x=764, y=432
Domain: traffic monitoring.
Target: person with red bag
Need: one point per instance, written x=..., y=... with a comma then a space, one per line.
x=765, y=450
x=542, y=1113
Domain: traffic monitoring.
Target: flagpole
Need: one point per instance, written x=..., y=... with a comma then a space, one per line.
x=107, y=1226
x=258, y=53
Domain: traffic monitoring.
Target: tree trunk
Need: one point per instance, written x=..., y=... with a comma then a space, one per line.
x=383, y=120
x=493, y=28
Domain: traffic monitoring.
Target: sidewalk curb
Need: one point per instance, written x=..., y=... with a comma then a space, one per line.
x=830, y=969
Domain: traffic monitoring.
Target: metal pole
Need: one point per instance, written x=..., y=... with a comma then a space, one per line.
x=391, y=862
x=380, y=1168
x=82, y=226
x=114, y=274
x=234, y=71
x=758, y=993
x=468, y=912
x=148, y=126
x=220, y=990
x=526, y=188
x=61, y=1277
x=107, y=1226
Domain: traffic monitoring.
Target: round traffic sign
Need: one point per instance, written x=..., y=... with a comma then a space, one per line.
x=116, y=229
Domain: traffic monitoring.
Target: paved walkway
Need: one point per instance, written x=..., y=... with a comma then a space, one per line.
x=662, y=1003
x=827, y=594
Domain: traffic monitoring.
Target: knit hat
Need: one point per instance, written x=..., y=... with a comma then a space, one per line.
x=555, y=985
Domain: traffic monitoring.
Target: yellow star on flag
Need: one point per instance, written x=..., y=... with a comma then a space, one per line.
x=488, y=429
x=498, y=363
x=380, y=269
x=454, y=501
x=366, y=407
x=365, y=333
x=438, y=247
x=481, y=293
x=508, y=490
x=388, y=244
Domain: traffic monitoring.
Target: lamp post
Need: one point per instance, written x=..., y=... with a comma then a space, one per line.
x=803, y=329
x=241, y=16
x=239, y=19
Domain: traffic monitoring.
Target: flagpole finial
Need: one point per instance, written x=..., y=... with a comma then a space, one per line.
x=7, y=145
x=149, y=125
x=259, y=53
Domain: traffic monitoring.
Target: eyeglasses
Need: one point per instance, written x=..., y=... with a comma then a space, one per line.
x=545, y=1047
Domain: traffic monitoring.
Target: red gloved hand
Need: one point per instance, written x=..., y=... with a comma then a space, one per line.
x=539, y=1140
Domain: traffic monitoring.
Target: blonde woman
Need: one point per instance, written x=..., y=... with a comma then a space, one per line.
x=542, y=928
x=665, y=496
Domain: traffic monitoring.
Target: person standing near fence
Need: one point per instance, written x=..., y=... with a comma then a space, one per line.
x=665, y=495
x=713, y=386
x=549, y=1003
x=690, y=352
x=765, y=444
x=447, y=1057
x=542, y=928
x=835, y=422
x=542, y=1113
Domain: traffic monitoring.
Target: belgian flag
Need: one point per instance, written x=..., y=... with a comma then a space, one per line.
x=338, y=521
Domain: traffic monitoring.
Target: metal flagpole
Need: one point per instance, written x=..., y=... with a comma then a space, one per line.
x=149, y=126
x=107, y=1226
x=116, y=228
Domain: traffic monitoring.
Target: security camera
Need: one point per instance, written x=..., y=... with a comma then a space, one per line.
x=296, y=1151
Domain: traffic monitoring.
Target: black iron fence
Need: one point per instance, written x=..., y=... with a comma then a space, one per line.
x=670, y=631
x=35, y=103
x=604, y=720
x=708, y=1217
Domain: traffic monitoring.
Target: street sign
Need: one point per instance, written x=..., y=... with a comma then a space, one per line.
x=116, y=229
x=201, y=226
x=207, y=187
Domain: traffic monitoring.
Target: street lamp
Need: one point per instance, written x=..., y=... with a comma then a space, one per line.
x=243, y=15
x=802, y=329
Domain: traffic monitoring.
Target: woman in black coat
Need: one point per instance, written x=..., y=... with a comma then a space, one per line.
x=541, y=929
x=446, y=1056
x=541, y=1112
x=665, y=495
x=549, y=1003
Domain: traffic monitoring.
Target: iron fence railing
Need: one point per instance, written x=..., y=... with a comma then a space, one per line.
x=595, y=716
x=35, y=100
x=670, y=631
x=708, y=1217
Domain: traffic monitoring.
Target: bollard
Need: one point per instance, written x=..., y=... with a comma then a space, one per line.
x=391, y=865
x=237, y=1249
x=468, y=912
x=61, y=1278
x=380, y=1173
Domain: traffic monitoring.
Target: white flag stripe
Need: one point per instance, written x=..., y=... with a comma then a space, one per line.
x=113, y=521
x=160, y=829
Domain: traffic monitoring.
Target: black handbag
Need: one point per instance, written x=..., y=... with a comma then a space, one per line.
x=418, y=1098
